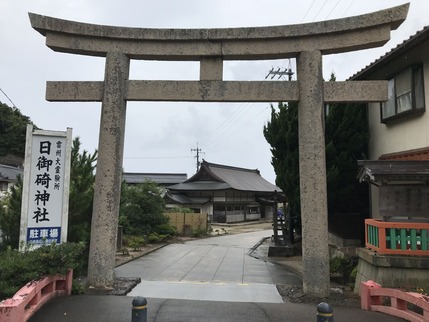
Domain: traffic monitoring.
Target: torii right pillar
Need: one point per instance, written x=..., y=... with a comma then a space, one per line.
x=312, y=173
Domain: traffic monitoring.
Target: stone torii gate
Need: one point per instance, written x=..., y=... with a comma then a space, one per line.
x=305, y=42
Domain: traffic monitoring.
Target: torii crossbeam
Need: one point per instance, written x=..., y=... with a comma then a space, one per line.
x=306, y=42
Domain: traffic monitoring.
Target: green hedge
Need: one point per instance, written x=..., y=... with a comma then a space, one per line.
x=18, y=268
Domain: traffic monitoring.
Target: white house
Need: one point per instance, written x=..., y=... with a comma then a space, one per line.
x=399, y=128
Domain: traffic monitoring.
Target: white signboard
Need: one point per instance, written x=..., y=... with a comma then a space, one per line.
x=44, y=211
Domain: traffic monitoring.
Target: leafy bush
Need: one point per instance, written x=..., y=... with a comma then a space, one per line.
x=19, y=268
x=199, y=232
x=142, y=208
x=136, y=242
x=166, y=229
x=342, y=268
x=180, y=209
x=157, y=238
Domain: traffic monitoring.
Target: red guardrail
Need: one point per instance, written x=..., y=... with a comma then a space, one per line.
x=32, y=296
x=397, y=238
x=394, y=302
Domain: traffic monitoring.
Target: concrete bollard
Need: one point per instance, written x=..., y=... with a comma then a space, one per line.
x=139, y=311
x=325, y=313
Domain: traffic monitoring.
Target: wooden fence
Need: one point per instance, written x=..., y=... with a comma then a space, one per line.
x=187, y=223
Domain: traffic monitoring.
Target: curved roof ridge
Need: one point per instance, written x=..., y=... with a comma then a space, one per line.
x=222, y=166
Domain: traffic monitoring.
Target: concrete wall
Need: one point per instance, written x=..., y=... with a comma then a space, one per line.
x=392, y=271
x=234, y=218
x=253, y=217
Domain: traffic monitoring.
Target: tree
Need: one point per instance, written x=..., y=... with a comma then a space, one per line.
x=13, y=126
x=282, y=134
x=346, y=139
x=142, y=208
x=10, y=215
x=82, y=179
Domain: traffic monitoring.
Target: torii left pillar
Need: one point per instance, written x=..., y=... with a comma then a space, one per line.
x=109, y=171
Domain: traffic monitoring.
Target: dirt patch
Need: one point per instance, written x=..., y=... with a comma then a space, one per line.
x=339, y=295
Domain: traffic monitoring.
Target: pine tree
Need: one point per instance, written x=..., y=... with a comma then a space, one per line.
x=13, y=125
x=346, y=138
x=282, y=134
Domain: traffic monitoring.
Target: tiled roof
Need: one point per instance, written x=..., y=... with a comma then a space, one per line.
x=405, y=46
x=220, y=177
x=9, y=173
x=160, y=178
x=376, y=171
x=413, y=155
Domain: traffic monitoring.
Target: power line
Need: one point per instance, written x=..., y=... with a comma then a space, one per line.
x=332, y=10
x=348, y=8
x=220, y=129
x=8, y=98
x=323, y=6
x=308, y=10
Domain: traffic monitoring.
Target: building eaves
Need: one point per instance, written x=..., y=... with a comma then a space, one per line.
x=184, y=199
x=379, y=170
x=159, y=178
x=394, y=53
x=199, y=186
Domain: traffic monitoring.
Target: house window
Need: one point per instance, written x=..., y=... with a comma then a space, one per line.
x=405, y=94
x=3, y=186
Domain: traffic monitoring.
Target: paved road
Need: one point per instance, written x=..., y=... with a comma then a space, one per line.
x=215, y=269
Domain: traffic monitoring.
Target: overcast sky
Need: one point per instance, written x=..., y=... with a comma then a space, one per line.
x=159, y=136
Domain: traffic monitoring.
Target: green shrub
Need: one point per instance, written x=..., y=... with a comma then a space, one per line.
x=78, y=288
x=19, y=268
x=136, y=242
x=166, y=229
x=342, y=268
x=154, y=238
x=180, y=210
x=196, y=233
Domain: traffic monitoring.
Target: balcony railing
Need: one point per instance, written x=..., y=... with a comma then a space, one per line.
x=397, y=238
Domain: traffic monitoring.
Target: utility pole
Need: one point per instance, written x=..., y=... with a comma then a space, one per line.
x=281, y=72
x=197, y=156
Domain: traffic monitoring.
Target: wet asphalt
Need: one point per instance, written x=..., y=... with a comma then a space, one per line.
x=211, y=279
x=214, y=269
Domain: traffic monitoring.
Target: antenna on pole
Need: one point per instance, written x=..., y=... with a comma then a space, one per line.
x=279, y=72
x=198, y=151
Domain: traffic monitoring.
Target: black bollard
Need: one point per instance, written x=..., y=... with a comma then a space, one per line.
x=325, y=313
x=139, y=312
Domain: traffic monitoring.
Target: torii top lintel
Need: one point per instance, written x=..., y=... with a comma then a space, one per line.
x=211, y=47
x=328, y=37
